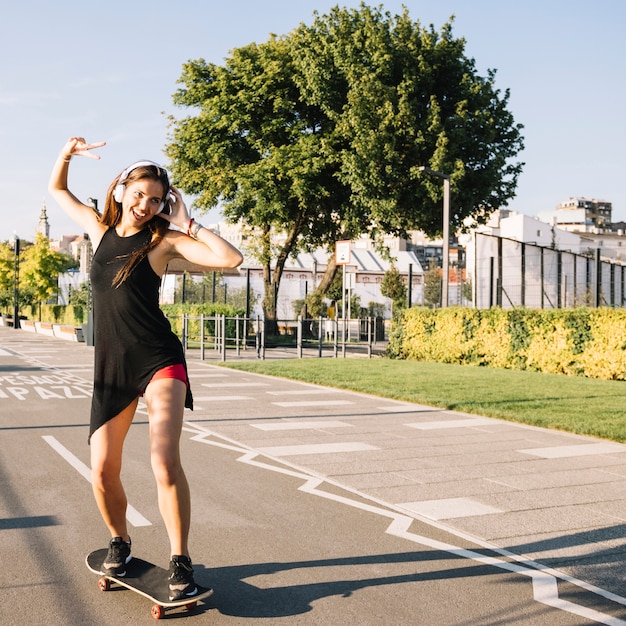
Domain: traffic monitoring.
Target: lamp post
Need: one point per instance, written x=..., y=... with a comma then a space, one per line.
x=88, y=327
x=446, y=231
x=16, y=278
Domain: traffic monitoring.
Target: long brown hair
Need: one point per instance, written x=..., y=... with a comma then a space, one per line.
x=113, y=214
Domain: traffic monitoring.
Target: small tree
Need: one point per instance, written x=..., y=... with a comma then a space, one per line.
x=432, y=285
x=80, y=296
x=40, y=269
x=316, y=305
x=6, y=275
x=393, y=287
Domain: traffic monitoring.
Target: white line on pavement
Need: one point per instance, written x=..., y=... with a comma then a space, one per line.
x=300, y=425
x=543, y=578
x=133, y=516
x=314, y=403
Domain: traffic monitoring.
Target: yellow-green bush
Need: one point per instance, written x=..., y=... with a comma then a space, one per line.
x=605, y=353
x=70, y=315
x=76, y=315
x=580, y=341
x=492, y=342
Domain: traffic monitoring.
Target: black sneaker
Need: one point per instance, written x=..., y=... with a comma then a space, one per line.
x=181, y=582
x=117, y=557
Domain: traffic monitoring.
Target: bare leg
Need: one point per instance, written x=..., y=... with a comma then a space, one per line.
x=165, y=399
x=106, y=465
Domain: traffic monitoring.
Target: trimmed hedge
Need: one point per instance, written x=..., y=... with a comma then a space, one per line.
x=71, y=315
x=175, y=313
x=578, y=342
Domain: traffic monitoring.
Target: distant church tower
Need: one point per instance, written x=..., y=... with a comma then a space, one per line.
x=43, y=226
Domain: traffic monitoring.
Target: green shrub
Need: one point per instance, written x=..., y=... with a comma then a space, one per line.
x=575, y=342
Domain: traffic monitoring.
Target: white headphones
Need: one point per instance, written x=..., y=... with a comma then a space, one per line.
x=120, y=188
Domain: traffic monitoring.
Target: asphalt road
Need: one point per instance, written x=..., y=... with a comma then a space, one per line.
x=302, y=510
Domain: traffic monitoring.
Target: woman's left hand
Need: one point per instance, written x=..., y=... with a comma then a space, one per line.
x=178, y=215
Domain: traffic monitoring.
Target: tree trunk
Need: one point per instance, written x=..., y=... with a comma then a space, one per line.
x=328, y=277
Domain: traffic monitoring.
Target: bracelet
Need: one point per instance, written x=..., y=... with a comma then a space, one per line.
x=67, y=160
x=191, y=221
x=195, y=230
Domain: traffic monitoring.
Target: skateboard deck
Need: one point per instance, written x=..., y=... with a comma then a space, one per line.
x=144, y=578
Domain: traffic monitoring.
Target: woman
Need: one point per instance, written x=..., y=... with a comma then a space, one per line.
x=136, y=352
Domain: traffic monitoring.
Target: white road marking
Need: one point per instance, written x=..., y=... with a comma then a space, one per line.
x=132, y=515
x=300, y=425
x=301, y=392
x=462, y=423
x=406, y=408
x=219, y=398
x=317, y=448
x=449, y=508
x=240, y=385
x=202, y=374
x=314, y=403
x=586, y=449
x=543, y=578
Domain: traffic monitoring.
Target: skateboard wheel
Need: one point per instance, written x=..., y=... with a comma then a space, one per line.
x=192, y=605
x=157, y=611
x=104, y=584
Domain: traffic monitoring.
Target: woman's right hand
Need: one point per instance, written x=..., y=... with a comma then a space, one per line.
x=77, y=146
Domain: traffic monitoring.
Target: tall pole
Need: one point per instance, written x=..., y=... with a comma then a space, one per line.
x=446, y=231
x=446, y=240
x=16, y=278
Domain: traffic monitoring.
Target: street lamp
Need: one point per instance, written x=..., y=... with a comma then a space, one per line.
x=446, y=230
x=88, y=327
x=16, y=280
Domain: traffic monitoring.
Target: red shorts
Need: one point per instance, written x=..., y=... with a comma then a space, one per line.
x=177, y=371
x=172, y=371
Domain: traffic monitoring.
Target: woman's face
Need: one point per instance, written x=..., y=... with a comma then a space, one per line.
x=141, y=201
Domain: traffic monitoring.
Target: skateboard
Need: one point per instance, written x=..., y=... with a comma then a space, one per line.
x=144, y=578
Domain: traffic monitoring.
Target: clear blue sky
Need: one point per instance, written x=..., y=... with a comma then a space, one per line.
x=107, y=71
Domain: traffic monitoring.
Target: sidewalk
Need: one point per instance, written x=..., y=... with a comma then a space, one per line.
x=548, y=496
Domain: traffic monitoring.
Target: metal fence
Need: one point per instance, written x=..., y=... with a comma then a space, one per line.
x=220, y=337
x=511, y=273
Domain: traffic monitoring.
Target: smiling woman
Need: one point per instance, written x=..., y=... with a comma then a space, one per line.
x=136, y=353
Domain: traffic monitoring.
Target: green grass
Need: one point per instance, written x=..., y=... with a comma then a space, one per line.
x=574, y=404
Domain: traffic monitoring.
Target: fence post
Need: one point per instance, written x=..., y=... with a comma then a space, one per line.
x=369, y=337
x=260, y=338
x=319, y=337
x=598, y=294
x=223, y=324
x=202, y=336
x=184, y=332
x=237, y=339
x=299, y=336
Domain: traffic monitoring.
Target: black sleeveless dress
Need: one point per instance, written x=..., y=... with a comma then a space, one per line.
x=132, y=337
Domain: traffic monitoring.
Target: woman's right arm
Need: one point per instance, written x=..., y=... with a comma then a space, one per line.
x=82, y=214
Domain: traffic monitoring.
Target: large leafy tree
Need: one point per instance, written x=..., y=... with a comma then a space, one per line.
x=320, y=135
